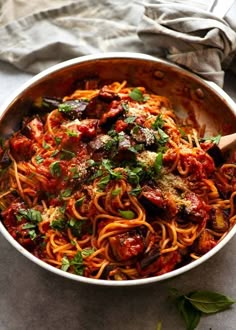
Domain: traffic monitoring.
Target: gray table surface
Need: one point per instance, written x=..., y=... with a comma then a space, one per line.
x=33, y=298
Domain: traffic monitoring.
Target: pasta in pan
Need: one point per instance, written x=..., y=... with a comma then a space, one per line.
x=108, y=183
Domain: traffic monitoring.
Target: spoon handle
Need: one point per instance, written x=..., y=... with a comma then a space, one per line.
x=227, y=142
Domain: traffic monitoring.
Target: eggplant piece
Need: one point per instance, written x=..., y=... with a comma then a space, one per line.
x=51, y=102
x=73, y=109
x=107, y=95
x=5, y=160
x=219, y=220
x=204, y=243
x=143, y=135
x=149, y=258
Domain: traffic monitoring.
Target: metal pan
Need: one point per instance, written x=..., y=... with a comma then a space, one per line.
x=189, y=94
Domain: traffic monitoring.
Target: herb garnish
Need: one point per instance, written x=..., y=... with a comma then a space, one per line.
x=213, y=139
x=55, y=169
x=127, y=214
x=158, y=163
x=194, y=304
x=39, y=159
x=30, y=215
x=137, y=95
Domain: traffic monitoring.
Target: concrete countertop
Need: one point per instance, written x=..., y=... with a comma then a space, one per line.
x=32, y=298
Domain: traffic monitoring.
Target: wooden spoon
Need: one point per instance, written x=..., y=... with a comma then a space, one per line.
x=227, y=142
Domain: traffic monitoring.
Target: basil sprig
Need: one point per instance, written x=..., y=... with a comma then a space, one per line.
x=192, y=305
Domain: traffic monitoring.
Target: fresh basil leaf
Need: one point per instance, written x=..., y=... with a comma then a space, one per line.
x=159, y=122
x=137, y=95
x=159, y=325
x=58, y=224
x=57, y=140
x=158, y=163
x=39, y=159
x=104, y=181
x=213, y=139
x=76, y=227
x=163, y=136
x=55, y=169
x=32, y=234
x=116, y=192
x=28, y=226
x=71, y=133
x=127, y=214
x=66, y=193
x=125, y=106
x=67, y=154
x=136, y=191
x=130, y=120
x=65, y=263
x=31, y=215
x=45, y=145
x=79, y=202
x=190, y=315
x=75, y=172
x=209, y=302
x=87, y=252
x=77, y=262
x=64, y=107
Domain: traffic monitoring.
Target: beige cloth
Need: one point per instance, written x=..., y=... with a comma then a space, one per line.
x=35, y=34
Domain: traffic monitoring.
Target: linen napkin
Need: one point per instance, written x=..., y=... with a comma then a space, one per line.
x=188, y=36
x=35, y=37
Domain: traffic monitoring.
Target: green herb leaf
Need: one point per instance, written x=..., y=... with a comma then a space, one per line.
x=76, y=227
x=75, y=172
x=87, y=252
x=136, y=191
x=127, y=214
x=32, y=234
x=57, y=140
x=28, y=226
x=116, y=192
x=79, y=202
x=159, y=325
x=77, y=262
x=65, y=107
x=158, y=163
x=31, y=215
x=104, y=181
x=67, y=154
x=55, y=169
x=66, y=193
x=39, y=159
x=190, y=315
x=137, y=95
x=58, y=224
x=163, y=136
x=130, y=120
x=209, y=302
x=71, y=133
x=213, y=139
x=159, y=122
x=45, y=145
x=125, y=106
x=65, y=263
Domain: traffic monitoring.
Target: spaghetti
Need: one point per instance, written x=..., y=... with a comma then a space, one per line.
x=107, y=183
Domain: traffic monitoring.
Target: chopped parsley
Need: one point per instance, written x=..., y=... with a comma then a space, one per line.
x=213, y=139
x=32, y=215
x=39, y=159
x=137, y=95
x=127, y=214
x=158, y=163
x=55, y=169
